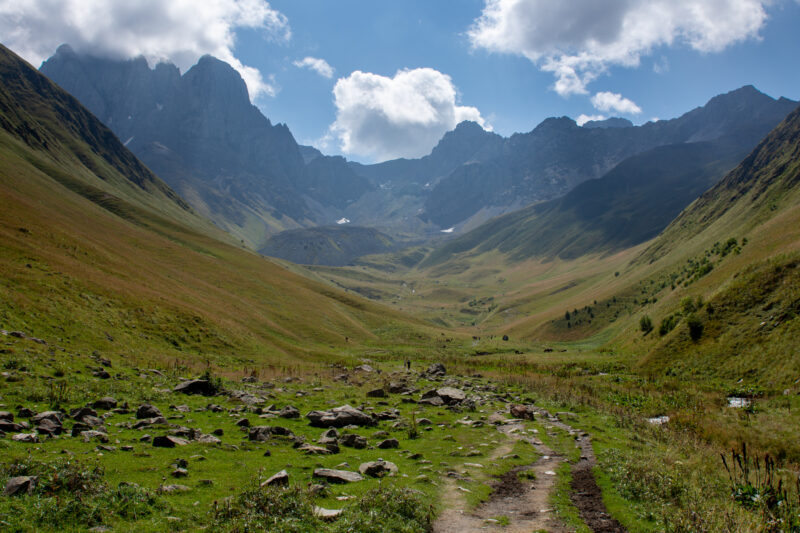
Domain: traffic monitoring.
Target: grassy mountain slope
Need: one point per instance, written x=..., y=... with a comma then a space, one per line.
x=98, y=254
x=629, y=205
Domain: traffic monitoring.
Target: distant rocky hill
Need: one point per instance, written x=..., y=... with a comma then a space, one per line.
x=327, y=245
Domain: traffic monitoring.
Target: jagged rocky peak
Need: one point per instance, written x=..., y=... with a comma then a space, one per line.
x=613, y=122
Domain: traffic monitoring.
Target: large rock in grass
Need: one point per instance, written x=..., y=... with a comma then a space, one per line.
x=20, y=485
x=289, y=411
x=281, y=478
x=337, y=476
x=169, y=441
x=148, y=411
x=105, y=403
x=521, y=411
x=10, y=427
x=196, y=386
x=378, y=468
x=435, y=370
x=451, y=395
x=263, y=433
x=339, y=417
x=55, y=416
x=351, y=440
x=6, y=416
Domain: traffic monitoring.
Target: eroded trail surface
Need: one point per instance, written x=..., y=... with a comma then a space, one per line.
x=521, y=504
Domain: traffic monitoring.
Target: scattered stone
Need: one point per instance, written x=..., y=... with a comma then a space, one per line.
x=148, y=411
x=180, y=472
x=378, y=468
x=5, y=415
x=55, y=416
x=196, y=386
x=168, y=441
x=364, y=368
x=436, y=370
x=326, y=514
x=146, y=422
x=10, y=427
x=26, y=413
x=339, y=417
x=337, y=476
x=174, y=488
x=424, y=422
x=522, y=411
x=281, y=478
x=450, y=395
x=310, y=449
x=218, y=432
x=243, y=423
x=434, y=401
x=208, y=439
x=289, y=411
x=105, y=403
x=30, y=438
x=101, y=374
x=352, y=440
x=376, y=393
x=389, y=443
x=91, y=434
x=20, y=485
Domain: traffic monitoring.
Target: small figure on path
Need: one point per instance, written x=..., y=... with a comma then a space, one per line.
x=408, y=365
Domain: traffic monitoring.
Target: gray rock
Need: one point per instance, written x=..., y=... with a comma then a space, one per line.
x=339, y=417
x=26, y=413
x=30, y=438
x=378, y=468
x=55, y=416
x=352, y=440
x=169, y=441
x=148, y=411
x=20, y=485
x=435, y=401
x=105, y=403
x=327, y=514
x=196, y=386
x=243, y=423
x=310, y=449
x=174, y=488
x=436, y=370
x=207, y=439
x=78, y=414
x=147, y=422
x=281, y=478
x=6, y=416
x=337, y=476
x=289, y=412
x=389, y=443
x=49, y=428
x=90, y=435
x=450, y=395
x=180, y=472
x=10, y=427
x=376, y=393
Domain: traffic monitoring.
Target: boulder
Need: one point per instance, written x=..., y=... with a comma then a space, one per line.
x=207, y=439
x=30, y=438
x=55, y=416
x=168, y=441
x=196, y=386
x=451, y=395
x=26, y=413
x=10, y=427
x=327, y=514
x=337, y=476
x=105, y=403
x=148, y=411
x=78, y=414
x=434, y=401
x=49, y=428
x=521, y=411
x=243, y=423
x=147, y=422
x=389, y=443
x=6, y=416
x=20, y=485
x=281, y=478
x=378, y=468
x=436, y=370
x=92, y=434
x=352, y=440
x=310, y=449
x=364, y=368
x=289, y=411
x=376, y=393
x=339, y=417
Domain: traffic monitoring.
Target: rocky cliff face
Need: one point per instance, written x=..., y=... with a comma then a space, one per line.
x=202, y=135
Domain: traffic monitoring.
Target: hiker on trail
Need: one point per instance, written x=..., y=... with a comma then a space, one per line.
x=408, y=365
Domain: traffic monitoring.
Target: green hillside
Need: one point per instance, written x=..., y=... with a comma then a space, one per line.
x=97, y=253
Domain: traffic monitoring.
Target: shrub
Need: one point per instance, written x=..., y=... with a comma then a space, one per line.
x=646, y=324
x=695, y=327
x=273, y=509
x=668, y=324
x=388, y=510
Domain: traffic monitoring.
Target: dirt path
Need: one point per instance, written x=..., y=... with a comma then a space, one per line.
x=523, y=502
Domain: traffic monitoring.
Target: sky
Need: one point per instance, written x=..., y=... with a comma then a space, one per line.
x=376, y=80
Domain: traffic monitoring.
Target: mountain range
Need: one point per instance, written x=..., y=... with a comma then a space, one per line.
x=200, y=133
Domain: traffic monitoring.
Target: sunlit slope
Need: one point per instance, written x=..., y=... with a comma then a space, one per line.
x=97, y=253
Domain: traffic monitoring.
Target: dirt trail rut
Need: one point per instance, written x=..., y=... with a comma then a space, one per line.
x=526, y=503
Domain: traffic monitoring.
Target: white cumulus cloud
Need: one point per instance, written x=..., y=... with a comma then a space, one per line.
x=179, y=31
x=583, y=119
x=608, y=101
x=578, y=40
x=404, y=116
x=320, y=66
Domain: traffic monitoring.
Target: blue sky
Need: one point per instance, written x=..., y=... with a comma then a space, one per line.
x=506, y=63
